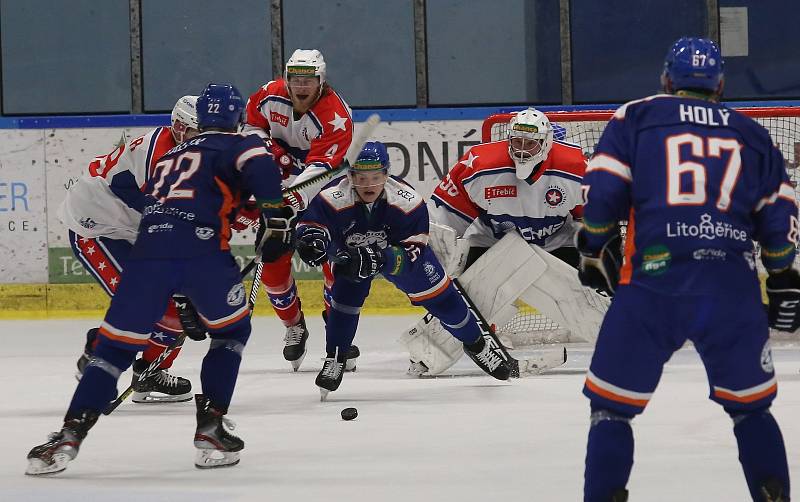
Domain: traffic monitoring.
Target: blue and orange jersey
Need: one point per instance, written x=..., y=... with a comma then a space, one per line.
x=397, y=220
x=698, y=183
x=196, y=189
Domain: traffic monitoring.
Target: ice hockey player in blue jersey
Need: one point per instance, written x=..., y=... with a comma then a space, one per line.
x=697, y=183
x=182, y=247
x=369, y=223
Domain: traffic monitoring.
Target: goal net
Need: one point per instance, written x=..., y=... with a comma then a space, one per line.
x=584, y=128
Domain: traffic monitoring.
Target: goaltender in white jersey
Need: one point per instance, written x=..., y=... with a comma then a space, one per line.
x=519, y=199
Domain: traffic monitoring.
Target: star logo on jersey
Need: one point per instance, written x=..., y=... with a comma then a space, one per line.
x=338, y=122
x=469, y=160
x=554, y=196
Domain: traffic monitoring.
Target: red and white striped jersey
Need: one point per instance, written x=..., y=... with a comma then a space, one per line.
x=482, y=198
x=107, y=200
x=318, y=139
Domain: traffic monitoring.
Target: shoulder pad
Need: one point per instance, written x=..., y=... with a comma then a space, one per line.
x=401, y=195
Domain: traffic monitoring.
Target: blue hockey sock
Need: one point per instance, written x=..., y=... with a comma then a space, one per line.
x=98, y=385
x=449, y=307
x=340, y=329
x=761, y=450
x=221, y=365
x=609, y=455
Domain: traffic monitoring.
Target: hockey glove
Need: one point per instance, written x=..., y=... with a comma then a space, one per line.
x=247, y=216
x=359, y=264
x=599, y=269
x=783, y=291
x=275, y=236
x=283, y=159
x=191, y=323
x=312, y=245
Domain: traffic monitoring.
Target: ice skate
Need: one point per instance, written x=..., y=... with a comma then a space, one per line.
x=61, y=447
x=490, y=356
x=352, y=354
x=772, y=491
x=216, y=446
x=620, y=496
x=330, y=377
x=295, y=349
x=160, y=387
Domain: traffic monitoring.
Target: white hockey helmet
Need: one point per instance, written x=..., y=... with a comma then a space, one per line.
x=530, y=138
x=306, y=62
x=184, y=117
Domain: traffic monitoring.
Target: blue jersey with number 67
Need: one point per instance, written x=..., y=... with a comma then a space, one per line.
x=196, y=189
x=697, y=182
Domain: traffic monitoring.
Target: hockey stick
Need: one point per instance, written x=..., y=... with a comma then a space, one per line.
x=525, y=366
x=149, y=371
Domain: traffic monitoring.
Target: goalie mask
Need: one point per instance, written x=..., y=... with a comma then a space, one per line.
x=305, y=77
x=369, y=172
x=530, y=138
x=184, y=119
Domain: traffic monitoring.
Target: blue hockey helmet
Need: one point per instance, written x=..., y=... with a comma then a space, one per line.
x=220, y=106
x=373, y=157
x=693, y=63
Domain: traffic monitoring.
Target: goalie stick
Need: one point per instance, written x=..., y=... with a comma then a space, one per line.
x=525, y=366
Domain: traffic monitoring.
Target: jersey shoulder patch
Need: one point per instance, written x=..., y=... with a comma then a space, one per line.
x=484, y=159
x=401, y=196
x=339, y=196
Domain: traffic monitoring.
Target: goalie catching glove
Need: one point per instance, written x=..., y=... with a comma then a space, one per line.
x=783, y=291
x=312, y=245
x=359, y=264
x=599, y=269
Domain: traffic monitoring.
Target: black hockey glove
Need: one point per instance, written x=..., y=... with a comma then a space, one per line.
x=783, y=291
x=191, y=323
x=312, y=246
x=600, y=269
x=359, y=264
x=275, y=237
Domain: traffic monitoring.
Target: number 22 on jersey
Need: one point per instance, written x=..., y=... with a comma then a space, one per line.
x=701, y=148
x=187, y=164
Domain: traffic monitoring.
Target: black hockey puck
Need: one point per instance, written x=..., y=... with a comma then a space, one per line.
x=349, y=413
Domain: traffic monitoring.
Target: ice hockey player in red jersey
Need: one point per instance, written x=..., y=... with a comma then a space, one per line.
x=308, y=128
x=102, y=211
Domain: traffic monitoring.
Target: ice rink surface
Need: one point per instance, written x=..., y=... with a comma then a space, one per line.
x=466, y=438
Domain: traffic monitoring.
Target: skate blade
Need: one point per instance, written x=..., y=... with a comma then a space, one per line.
x=155, y=398
x=212, y=459
x=323, y=394
x=297, y=362
x=38, y=467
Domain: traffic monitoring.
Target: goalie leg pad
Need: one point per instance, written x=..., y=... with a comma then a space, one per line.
x=558, y=294
x=430, y=344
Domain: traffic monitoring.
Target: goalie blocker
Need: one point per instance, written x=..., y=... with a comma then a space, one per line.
x=510, y=270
